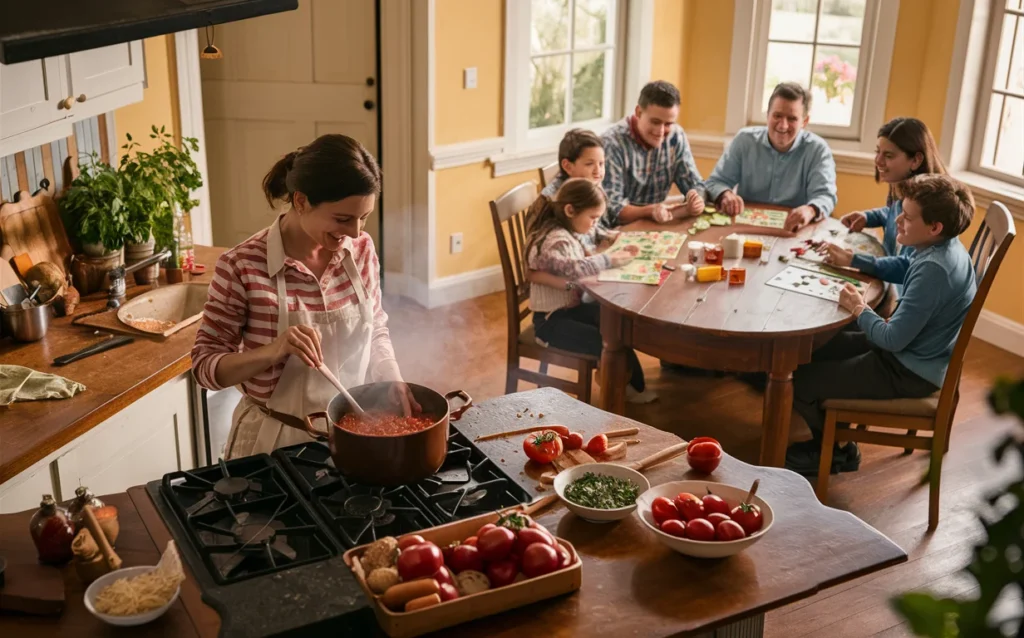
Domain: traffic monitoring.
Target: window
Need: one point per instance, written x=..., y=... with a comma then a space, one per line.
x=999, y=150
x=563, y=62
x=821, y=44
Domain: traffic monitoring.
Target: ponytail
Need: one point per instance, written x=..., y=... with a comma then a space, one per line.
x=275, y=186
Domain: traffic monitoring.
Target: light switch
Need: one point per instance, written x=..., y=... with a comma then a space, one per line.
x=469, y=78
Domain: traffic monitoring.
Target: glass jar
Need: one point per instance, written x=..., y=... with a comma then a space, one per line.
x=52, y=532
x=76, y=506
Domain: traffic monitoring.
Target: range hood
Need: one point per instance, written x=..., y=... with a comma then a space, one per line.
x=34, y=30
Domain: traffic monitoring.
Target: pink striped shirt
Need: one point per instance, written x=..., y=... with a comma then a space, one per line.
x=242, y=308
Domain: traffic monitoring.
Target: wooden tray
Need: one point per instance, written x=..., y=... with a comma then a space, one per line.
x=31, y=224
x=466, y=608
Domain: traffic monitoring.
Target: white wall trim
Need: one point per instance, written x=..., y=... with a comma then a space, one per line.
x=510, y=163
x=112, y=146
x=467, y=285
x=190, y=108
x=639, y=50
x=987, y=190
x=463, y=153
x=1001, y=332
x=740, y=63
x=707, y=145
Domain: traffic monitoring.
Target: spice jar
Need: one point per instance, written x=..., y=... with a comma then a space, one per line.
x=52, y=532
x=75, y=506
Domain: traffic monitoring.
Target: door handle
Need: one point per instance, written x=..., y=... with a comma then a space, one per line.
x=82, y=98
x=370, y=82
x=67, y=103
x=368, y=105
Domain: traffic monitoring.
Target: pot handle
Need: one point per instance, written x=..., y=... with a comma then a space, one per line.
x=312, y=431
x=467, y=400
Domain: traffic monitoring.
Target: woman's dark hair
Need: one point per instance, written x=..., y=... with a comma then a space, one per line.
x=912, y=136
x=328, y=169
x=942, y=199
x=573, y=144
x=547, y=214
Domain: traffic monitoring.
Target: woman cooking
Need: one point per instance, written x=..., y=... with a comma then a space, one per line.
x=303, y=292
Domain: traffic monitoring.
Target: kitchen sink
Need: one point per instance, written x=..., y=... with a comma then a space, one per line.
x=164, y=311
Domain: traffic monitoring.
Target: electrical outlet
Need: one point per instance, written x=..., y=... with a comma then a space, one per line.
x=456, y=243
x=469, y=78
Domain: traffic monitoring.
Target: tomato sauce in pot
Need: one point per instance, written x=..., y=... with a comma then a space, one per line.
x=384, y=424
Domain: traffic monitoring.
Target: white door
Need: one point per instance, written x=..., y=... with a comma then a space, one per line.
x=96, y=72
x=284, y=80
x=31, y=96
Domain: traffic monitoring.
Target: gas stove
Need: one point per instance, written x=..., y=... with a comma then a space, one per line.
x=263, y=529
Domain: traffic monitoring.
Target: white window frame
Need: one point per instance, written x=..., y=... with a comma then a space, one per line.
x=746, y=75
x=525, y=149
x=998, y=12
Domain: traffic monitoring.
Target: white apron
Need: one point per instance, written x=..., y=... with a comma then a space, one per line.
x=345, y=336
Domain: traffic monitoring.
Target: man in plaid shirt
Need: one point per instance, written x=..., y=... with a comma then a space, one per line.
x=645, y=154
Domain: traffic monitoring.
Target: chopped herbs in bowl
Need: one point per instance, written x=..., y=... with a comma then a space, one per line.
x=600, y=492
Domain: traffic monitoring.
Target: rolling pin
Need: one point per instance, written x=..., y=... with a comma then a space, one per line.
x=660, y=456
x=113, y=560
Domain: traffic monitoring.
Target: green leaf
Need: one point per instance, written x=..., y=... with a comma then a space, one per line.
x=927, y=615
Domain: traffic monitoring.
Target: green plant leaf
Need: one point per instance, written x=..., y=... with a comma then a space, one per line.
x=928, y=616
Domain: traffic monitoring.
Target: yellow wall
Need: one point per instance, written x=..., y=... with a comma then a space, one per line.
x=159, y=103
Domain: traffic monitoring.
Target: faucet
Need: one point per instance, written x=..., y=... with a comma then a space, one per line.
x=115, y=294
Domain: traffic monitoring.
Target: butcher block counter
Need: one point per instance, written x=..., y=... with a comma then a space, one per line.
x=115, y=379
x=632, y=585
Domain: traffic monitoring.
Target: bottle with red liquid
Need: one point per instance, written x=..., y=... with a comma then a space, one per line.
x=713, y=255
x=52, y=532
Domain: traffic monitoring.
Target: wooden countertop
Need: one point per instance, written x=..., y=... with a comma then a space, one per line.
x=113, y=379
x=632, y=585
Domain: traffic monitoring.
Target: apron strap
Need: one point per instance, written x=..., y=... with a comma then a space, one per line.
x=282, y=302
x=353, y=274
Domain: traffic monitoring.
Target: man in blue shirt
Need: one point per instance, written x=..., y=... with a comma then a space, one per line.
x=906, y=356
x=644, y=155
x=781, y=163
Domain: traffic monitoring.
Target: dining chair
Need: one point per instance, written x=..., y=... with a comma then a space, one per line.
x=547, y=173
x=932, y=414
x=509, y=214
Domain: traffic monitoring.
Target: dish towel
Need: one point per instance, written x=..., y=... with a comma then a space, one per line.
x=18, y=383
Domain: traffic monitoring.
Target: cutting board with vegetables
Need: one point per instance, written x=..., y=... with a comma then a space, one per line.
x=31, y=225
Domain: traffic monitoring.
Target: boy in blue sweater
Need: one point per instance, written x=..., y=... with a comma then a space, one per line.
x=906, y=356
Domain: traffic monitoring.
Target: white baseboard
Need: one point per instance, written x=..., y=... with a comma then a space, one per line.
x=446, y=290
x=1000, y=332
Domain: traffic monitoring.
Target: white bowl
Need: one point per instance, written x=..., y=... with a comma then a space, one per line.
x=124, y=621
x=703, y=549
x=593, y=514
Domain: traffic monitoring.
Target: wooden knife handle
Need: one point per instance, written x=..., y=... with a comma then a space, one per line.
x=113, y=560
x=660, y=456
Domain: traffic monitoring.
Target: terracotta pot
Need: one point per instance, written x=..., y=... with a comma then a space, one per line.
x=134, y=253
x=389, y=460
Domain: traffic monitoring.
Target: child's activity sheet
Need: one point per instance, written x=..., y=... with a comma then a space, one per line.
x=652, y=245
x=763, y=218
x=638, y=271
x=810, y=283
x=857, y=242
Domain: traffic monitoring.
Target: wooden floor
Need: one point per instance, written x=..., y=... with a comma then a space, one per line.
x=462, y=346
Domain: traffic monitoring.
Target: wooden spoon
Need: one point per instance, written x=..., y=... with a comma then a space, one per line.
x=753, y=490
x=337, y=384
x=658, y=457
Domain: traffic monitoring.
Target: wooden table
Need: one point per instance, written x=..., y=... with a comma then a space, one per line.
x=715, y=326
x=632, y=585
x=115, y=379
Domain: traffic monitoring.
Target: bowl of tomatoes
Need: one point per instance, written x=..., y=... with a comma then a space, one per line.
x=600, y=492
x=704, y=519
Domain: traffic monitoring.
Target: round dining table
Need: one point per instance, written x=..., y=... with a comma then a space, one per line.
x=751, y=327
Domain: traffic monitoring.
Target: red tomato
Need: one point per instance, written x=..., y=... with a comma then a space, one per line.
x=480, y=532
x=729, y=531
x=597, y=445
x=573, y=441
x=466, y=557
x=496, y=543
x=542, y=447
x=704, y=455
x=444, y=575
x=566, y=557
x=448, y=592
x=690, y=507
x=663, y=509
x=418, y=561
x=532, y=536
x=716, y=518
x=700, y=529
x=410, y=540
x=713, y=504
x=748, y=516
x=674, y=527
x=705, y=439
x=540, y=559
x=472, y=540
x=446, y=551
x=502, y=572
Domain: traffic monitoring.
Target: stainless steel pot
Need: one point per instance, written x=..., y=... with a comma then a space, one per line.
x=27, y=324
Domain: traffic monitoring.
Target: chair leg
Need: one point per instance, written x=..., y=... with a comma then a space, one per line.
x=586, y=374
x=511, y=381
x=543, y=368
x=940, y=442
x=828, y=441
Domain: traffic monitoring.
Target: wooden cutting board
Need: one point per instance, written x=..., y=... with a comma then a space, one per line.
x=31, y=224
x=108, y=321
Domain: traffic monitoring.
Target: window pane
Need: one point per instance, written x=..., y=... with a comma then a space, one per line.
x=793, y=20
x=588, y=86
x=786, y=63
x=841, y=21
x=1009, y=73
x=591, y=22
x=1003, y=150
x=549, y=25
x=1015, y=4
x=547, y=90
x=833, y=85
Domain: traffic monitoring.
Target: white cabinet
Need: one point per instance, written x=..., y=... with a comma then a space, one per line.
x=25, y=491
x=40, y=100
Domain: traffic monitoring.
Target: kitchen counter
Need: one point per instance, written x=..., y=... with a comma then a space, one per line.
x=114, y=379
x=632, y=585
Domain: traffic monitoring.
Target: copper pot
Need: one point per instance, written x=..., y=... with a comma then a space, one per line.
x=389, y=460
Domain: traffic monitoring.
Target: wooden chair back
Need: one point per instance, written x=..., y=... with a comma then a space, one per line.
x=509, y=215
x=548, y=173
x=987, y=251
